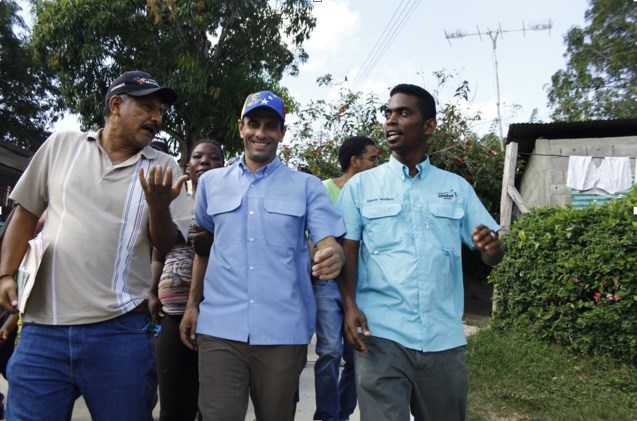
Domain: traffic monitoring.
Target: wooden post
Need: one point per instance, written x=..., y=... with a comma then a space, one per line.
x=510, y=195
x=508, y=179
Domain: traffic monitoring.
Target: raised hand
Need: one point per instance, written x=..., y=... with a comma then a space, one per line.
x=158, y=189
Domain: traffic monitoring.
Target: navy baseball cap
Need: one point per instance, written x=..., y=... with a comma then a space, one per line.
x=136, y=83
x=264, y=99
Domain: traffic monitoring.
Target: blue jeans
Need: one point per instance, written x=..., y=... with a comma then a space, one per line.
x=335, y=399
x=110, y=363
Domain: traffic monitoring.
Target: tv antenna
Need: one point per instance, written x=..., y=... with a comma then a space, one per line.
x=494, y=34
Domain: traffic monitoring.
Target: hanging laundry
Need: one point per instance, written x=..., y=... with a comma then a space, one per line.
x=582, y=173
x=614, y=174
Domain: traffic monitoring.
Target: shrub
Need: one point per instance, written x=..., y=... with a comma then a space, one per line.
x=570, y=276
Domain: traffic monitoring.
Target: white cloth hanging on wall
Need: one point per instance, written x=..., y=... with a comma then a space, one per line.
x=582, y=173
x=614, y=174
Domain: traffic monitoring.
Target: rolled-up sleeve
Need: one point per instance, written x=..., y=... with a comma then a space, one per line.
x=202, y=218
x=323, y=220
x=348, y=206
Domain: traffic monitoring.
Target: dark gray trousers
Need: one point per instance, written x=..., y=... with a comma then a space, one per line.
x=229, y=371
x=393, y=380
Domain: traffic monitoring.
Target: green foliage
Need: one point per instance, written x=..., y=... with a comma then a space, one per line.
x=24, y=87
x=600, y=80
x=212, y=52
x=515, y=376
x=570, y=276
x=323, y=125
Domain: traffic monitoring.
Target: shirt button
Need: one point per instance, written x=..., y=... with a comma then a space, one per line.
x=251, y=267
x=251, y=238
x=251, y=213
x=251, y=301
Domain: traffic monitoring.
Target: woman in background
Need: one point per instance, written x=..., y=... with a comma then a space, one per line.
x=177, y=365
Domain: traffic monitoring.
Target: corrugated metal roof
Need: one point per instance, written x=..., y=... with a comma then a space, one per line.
x=525, y=134
x=582, y=200
x=14, y=157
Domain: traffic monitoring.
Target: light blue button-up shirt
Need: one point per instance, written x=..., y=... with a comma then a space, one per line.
x=410, y=268
x=257, y=285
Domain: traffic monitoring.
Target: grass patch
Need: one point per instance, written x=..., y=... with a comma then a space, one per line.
x=513, y=376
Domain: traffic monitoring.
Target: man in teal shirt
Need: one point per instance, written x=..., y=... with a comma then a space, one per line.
x=336, y=397
x=402, y=279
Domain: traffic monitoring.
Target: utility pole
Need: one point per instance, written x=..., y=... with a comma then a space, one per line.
x=494, y=34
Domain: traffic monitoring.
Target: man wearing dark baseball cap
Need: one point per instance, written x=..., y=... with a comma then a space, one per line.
x=259, y=310
x=110, y=200
x=138, y=84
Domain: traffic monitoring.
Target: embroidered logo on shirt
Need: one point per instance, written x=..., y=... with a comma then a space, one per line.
x=450, y=195
x=382, y=199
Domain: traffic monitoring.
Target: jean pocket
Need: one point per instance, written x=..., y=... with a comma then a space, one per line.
x=131, y=322
x=319, y=285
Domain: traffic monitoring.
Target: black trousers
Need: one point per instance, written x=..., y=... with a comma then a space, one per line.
x=177, y=370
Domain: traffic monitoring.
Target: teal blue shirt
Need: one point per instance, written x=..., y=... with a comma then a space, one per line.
x=411, y=231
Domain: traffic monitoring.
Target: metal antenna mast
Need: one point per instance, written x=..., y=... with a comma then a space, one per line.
x=493, y=34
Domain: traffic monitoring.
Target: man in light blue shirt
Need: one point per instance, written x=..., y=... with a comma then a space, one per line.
x=402, y=280
x=253, y=314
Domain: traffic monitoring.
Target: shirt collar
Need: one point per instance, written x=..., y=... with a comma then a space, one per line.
x=266, y=169
x=403, y=171
x=93, y=136
x=147, y=152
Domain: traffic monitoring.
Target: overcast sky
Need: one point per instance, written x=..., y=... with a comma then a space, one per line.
x=350, y=33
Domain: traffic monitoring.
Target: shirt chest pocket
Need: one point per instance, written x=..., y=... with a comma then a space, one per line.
x=382, y=225
x=445, y=224
x=225, y=220
x=284, y=222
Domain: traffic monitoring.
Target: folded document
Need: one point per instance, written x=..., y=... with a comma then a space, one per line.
x=28, y=269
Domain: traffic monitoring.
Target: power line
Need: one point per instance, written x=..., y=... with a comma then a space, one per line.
x=385, y=40
x=379, y=38
x=390, y=39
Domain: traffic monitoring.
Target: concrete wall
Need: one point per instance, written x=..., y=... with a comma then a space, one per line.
x=544, y=180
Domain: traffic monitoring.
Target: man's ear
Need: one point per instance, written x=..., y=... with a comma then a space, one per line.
x=114, y=104
x=430, y=126
x=353, y=161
